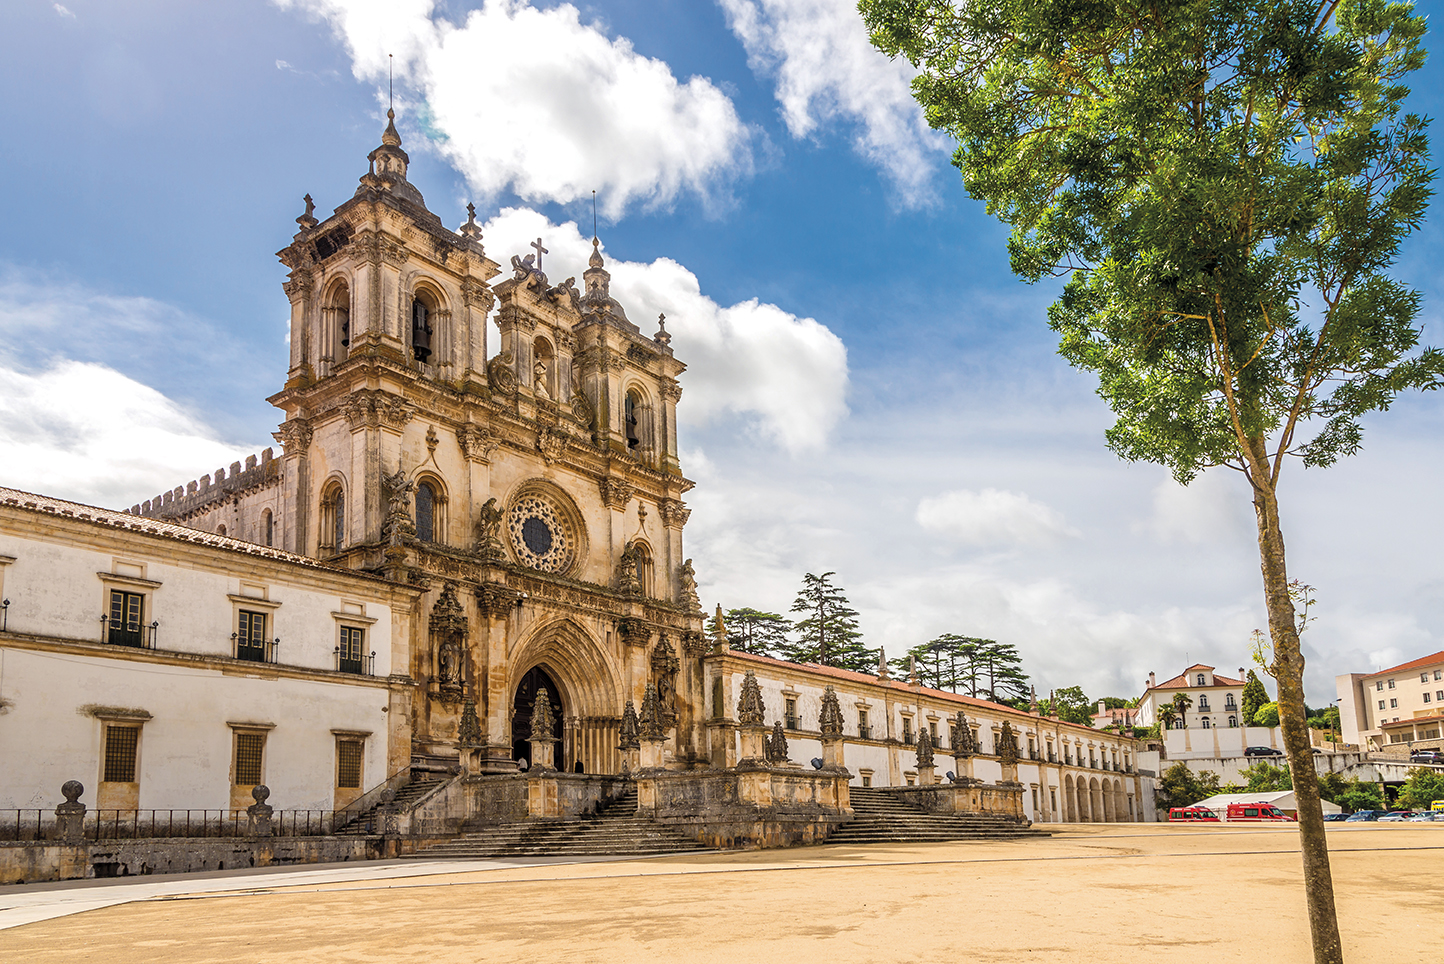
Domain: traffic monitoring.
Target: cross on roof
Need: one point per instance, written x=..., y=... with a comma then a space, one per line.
x=539, y=252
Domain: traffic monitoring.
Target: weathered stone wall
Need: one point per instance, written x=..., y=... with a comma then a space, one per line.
x=30, y=862
x=748, y=808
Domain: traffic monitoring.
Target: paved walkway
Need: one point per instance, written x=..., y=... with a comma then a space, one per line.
x=1090, y=893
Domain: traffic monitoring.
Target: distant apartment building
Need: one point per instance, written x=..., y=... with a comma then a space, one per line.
x=1212, y=726
x=1402, y=705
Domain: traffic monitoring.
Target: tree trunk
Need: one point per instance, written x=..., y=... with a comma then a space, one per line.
x=1288, y=672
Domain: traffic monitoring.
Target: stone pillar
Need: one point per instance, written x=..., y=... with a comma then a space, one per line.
x=961, y=737
x=653, y=730
x=927, y=773
x=830, y=721
x=70, y=815
x=258, y=814
x=630, y=743
x=543, y=738
x=751, y=714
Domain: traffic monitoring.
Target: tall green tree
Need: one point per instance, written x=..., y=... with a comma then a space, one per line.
x=1000, y=667
x=1422, y=788
x=1069, y=704
x=948, y=661
x=1181, y=704
x=753, y=631
x=827, y=633
x=1179, y=787
x=1254, y=696
x=1225, y=184
x=1352, y=794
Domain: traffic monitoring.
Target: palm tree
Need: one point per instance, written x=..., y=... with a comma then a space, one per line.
x=1181, y=703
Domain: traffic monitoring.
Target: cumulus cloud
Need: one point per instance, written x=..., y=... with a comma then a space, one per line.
x=541, y=103
x=826, y=70
x=992, y=517
x=86, y=432
x=786, y=375
x=64, y=11
x=1213, y=508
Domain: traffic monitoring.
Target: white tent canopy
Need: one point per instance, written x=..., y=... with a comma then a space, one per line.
x=1283, y=799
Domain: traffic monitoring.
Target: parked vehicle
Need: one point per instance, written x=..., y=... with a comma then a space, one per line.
x=1256, y=813
x=1262, y=751
x=1437, y=806
x=1335, y=817
x=1426, y=817
x=1192, y=815
x=1361, y=815
x=1398, y=816
x=1426, y=756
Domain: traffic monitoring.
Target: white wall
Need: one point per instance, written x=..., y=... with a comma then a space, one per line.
x=48, y=735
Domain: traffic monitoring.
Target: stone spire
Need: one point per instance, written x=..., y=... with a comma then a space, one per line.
x=830, y=719
x=388, y=166
x=543, y=722
x=597, y=300
x=631, y=730
x=925, y=747
x=750, y=711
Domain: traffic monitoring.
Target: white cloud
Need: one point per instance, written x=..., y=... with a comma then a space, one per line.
x=1213, y=508
x=64, y=11
x=86, y=432
x=538, y=102
x=826, y=70
x=786, y=375
x=992, y=517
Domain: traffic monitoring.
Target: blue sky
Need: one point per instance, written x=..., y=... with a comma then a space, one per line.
x=870, y=390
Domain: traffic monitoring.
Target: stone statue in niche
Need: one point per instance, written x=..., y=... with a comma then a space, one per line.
x=539, y=380
x=627, y=581
x=448, y=636
x=398, y=523
x=489, y=531
x=665, y=665
x=687, y=577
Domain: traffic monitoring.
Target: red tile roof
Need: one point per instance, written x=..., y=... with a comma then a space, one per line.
x=1412, y=719
x=869, y=680
x=1412, y=664
x=1181, y=680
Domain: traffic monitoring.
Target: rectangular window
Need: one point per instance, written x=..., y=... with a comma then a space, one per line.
x=863, y=730
x=867, y=779
x=353, y=643
x=348, y=764
x=1379, y=686
x=1439, y=695
x=1381, y=704
x=126, y=610
x=1439, y=674
x=933, y=731
x=1426, y=697
x=1391, y=684
x=908, y=730
x=1423, y=677
x=251, y=637
x=120, y=746
x=249, y=749
x=789, y=710
x=1393, y=704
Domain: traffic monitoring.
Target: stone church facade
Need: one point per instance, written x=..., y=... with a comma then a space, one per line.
x=450, y=529
x=535, y=499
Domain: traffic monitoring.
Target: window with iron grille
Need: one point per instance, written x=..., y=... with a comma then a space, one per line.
x=121, y=743
x=789, y=711
x=126, y=609
x=348, y=764
x=249, y=749
x=863, y=730
x=908, y=730
x=353, y=642
x=251, y=637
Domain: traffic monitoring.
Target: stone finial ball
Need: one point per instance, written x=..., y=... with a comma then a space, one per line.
x=260, y=792
x=72, y=789
x=388, y=795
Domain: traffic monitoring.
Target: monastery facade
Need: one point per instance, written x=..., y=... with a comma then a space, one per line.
x=450, y=529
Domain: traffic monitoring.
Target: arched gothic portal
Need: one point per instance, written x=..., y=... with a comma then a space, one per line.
x=521, y=705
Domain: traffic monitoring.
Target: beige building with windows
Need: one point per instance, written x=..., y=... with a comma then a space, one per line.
x=1399, y=706
x=168, y=668
x=1212, y=726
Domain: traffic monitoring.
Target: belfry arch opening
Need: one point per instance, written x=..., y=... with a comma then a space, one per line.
x=535, y=679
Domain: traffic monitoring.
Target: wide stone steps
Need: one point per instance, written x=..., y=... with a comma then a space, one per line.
x=615, y=831
x=881, y=817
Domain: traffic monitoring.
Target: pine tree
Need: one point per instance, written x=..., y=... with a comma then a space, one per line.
x=753, y=631
x=947, y=662
x=1254, y=696
x=828, y=632
x=1001, y=668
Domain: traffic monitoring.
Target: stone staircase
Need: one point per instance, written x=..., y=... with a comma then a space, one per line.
x=881, y=817
x=365, y=824
x=615, y=830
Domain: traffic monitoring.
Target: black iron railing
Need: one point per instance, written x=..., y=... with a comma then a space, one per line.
x=120, y=632
x=792, y=722
x=361, y=665
x=255, y=650
x=864, y=732
x=108, y=824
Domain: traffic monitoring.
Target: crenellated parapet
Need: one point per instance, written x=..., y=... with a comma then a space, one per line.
x=183, y=500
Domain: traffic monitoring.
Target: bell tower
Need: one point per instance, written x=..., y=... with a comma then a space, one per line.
x=388, y=319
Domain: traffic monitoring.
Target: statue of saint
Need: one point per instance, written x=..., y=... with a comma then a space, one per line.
x=539, y=380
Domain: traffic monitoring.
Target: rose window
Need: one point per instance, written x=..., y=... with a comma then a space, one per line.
x=540, y=535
